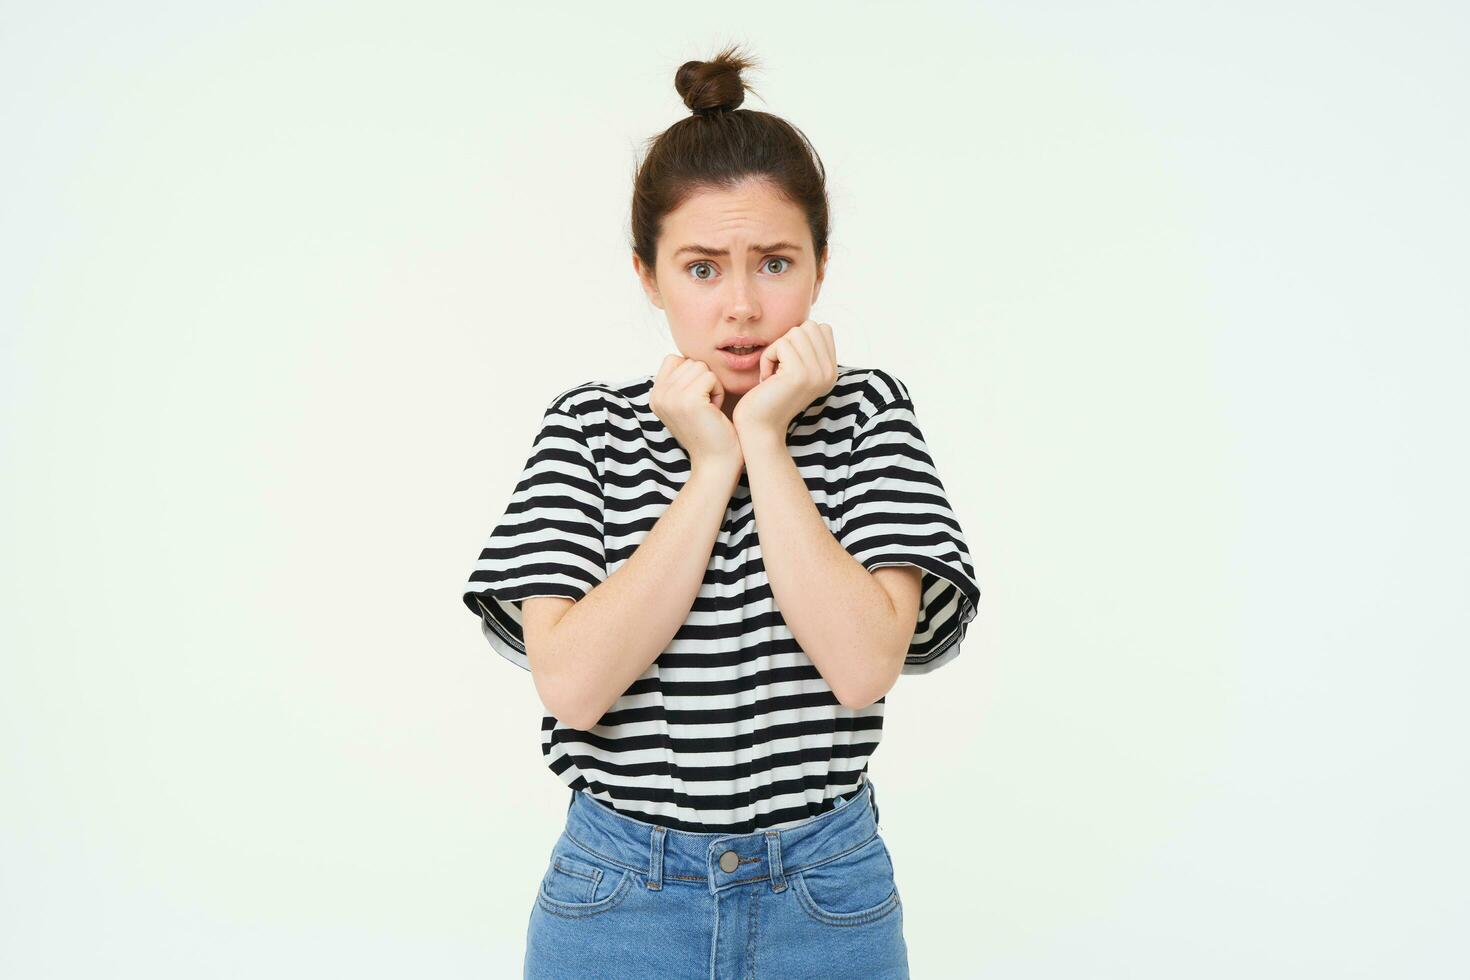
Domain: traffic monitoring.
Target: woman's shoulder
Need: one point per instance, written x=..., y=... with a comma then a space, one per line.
x=604, y=408
x=880, y=380
x=871, y=389
x=595, y=396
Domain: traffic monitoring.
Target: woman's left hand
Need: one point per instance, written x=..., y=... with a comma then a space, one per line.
x=795, y=370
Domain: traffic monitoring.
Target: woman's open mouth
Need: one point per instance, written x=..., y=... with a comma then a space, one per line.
x=743, y=358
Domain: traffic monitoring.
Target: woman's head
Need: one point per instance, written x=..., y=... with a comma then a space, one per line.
x=714, y=193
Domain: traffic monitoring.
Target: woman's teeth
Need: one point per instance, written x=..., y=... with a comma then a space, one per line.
x=742, y=350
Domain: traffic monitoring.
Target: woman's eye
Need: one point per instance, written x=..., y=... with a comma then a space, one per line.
x=694, y=266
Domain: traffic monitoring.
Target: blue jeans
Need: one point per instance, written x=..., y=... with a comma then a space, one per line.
x=626, y=898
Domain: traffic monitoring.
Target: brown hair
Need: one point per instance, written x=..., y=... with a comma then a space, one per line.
x=720, y=145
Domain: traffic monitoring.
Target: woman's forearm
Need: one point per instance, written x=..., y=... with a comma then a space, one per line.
x=838, y=612
x=610, y=636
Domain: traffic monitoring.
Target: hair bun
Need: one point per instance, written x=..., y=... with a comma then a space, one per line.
x=714, y=85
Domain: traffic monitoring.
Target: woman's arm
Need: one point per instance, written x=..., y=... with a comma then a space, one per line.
x=585, y=654
x=854, y=624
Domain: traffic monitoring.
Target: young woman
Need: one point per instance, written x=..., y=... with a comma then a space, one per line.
x=714, y=574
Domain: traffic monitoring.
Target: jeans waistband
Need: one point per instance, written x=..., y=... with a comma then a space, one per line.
x=660, y=854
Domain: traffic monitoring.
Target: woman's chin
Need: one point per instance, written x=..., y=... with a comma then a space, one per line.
x=739, y=382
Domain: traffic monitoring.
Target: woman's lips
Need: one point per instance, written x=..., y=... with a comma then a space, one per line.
x=743, y=362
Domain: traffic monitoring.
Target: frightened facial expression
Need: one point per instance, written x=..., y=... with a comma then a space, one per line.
x=733, y=263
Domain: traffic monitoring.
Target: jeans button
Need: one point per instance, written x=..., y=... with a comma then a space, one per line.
x=729, y=861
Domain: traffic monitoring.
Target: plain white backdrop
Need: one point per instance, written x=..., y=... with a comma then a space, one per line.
x=1179, y=291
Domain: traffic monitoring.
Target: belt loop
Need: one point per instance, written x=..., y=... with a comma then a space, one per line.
x=773, y=860
x=571, y=799
x=873, y=798
x=656, y=858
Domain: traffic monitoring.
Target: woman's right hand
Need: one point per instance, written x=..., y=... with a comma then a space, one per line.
x=687, y=397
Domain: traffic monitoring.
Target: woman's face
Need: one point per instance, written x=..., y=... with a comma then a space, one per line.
x=733, y=263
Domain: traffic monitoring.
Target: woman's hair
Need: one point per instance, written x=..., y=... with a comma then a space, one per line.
x=718, y=146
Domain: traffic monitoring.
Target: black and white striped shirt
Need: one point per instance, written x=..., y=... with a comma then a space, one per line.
x=731, y=729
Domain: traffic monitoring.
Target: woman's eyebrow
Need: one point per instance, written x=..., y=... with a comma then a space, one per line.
x=706, y=250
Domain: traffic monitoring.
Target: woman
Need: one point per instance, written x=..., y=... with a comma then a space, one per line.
x=714, y=575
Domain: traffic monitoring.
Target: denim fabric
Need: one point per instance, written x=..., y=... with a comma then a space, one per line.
x=626, y=898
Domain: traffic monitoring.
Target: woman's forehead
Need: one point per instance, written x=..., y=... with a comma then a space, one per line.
x=711, y=221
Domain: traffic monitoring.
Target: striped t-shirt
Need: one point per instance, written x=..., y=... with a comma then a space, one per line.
x=731, y=729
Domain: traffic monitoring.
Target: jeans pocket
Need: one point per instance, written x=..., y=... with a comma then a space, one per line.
x=579, y=883
x=853, y=889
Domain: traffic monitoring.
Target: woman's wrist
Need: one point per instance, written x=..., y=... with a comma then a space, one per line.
x=722, y=471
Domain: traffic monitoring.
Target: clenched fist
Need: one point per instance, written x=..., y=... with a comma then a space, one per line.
x=687, y=397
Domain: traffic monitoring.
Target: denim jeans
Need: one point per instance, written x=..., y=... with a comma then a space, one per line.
x=626, y=898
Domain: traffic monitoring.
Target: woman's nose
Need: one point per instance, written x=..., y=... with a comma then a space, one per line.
x=742, y=300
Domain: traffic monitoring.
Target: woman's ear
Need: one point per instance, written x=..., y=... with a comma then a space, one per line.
x=821, y=274
x=647, y=281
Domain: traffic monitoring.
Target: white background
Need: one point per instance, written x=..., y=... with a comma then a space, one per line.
x=1179, y=291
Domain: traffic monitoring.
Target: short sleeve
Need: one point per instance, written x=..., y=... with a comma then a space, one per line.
x=896, y=512
x=549, y=541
